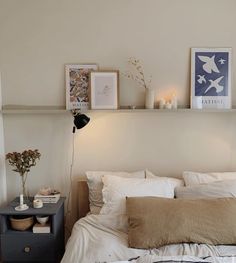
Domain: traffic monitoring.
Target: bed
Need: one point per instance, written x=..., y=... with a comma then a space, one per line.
x=103, y=238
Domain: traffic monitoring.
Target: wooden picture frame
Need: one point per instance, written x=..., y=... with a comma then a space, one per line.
x=104, y=90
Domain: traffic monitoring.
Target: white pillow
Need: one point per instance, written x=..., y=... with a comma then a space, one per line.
x=95, y=185
x=194, y=178
x=116, y=189
x=175, y=181
x=212, y=190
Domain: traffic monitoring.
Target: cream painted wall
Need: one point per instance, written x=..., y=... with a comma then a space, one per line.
x=39, y=37
x=3, y=190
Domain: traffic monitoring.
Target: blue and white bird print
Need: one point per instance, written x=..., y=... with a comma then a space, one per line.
x=211, y=73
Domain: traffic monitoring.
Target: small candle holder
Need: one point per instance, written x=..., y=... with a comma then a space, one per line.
x=37, y=203
x=22, y=206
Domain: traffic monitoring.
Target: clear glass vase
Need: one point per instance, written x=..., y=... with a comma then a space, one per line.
x=24, y=190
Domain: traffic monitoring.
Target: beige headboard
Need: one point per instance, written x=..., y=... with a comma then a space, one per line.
x=83, y=198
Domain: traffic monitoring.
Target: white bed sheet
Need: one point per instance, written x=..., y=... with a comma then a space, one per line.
x=103, y=238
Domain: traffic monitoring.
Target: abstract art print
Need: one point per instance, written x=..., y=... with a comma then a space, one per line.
x=211, y=78
x=77, y=85
x=104, y=89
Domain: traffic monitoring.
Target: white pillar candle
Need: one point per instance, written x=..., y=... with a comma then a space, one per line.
x=21, y=200
x=174, y=101
x=168, y=105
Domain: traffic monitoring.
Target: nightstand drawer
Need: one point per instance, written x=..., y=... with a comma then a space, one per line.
x=28, y=248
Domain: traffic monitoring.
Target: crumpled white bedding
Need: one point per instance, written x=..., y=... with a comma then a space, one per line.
x=103, y=238
x=179, y=259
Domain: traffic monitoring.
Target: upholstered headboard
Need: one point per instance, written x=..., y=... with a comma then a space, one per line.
x=83, y=198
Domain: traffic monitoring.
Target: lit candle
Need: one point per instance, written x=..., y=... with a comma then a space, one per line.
x=21, y=200
x=174, y=101
x=162, y=103
x=168, y=105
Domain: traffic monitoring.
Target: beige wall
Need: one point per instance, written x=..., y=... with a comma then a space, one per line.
x=3, y=190
x=39, y=37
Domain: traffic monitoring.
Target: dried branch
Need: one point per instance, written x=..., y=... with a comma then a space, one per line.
x=138, y=75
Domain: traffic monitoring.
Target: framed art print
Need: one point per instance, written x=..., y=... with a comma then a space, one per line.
x=211, y=78
x=77, y=85
x=104, y=88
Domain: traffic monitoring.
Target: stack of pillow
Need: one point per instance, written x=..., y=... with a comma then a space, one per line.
x=108, y=190
x=204, y=210
x=95, y=185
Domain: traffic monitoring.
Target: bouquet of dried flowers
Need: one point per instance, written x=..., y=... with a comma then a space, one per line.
x=22, y=162
x=137, y=73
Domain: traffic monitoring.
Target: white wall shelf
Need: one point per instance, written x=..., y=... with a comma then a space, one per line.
x=15, y=109
x=20, y=109
x=180, y=110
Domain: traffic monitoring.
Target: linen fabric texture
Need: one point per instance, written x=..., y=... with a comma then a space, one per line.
x=95, y=185
x=211, y=190
x=155, y=222
x=116, y=189
x=175, y=181
x=195, y=178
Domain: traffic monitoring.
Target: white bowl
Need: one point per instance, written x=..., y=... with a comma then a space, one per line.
x=42, y=219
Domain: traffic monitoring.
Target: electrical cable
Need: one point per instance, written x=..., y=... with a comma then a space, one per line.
x=68, y=206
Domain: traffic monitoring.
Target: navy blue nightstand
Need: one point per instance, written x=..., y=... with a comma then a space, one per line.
x=26, y=246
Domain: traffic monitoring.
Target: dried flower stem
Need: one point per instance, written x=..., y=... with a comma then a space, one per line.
x=138, y=76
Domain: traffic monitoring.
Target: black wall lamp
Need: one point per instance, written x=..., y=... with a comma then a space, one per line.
x=80, y=120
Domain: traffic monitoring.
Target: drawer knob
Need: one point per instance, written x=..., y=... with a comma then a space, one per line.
x=27, y=249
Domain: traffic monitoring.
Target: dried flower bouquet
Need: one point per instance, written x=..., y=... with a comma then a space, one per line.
x=22, y=162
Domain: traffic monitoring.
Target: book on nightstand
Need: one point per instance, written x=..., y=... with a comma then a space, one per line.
x=39, y=228
x=53, y=198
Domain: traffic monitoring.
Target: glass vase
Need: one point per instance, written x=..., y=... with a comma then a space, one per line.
x=24, y=187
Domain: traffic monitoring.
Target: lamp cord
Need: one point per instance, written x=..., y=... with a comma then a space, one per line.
x=68, y=206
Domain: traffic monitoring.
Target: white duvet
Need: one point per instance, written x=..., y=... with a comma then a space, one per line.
x=103, y=238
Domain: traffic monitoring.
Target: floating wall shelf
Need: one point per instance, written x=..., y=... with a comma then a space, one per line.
x=21, y=109
x=15, y=109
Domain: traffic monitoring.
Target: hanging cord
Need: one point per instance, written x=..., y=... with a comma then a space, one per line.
x=68, y=206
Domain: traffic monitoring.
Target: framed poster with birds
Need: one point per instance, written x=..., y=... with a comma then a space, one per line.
x=211, y=78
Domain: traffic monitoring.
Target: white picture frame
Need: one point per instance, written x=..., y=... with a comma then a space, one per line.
x=211, y=78
x=104, y=90
x=77, y=85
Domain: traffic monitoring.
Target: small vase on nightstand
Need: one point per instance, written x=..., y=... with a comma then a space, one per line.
x=149, y=98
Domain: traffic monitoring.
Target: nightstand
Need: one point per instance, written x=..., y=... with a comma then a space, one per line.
x=26, y=246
